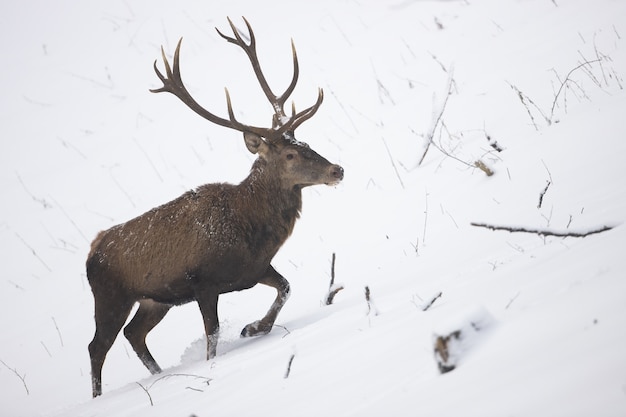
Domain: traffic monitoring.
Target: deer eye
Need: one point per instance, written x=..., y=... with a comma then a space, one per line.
x=290, y=156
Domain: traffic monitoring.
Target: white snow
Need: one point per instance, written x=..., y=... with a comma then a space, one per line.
x=86, y=146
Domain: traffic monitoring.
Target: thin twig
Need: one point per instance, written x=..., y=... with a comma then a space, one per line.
x=41, y=201
x=45, y=348
x=146, y=390
x=287, y=332
x=431, y=134
x=33, y=252
x=21, y=377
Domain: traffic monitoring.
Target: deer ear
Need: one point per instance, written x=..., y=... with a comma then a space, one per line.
x=254, y=142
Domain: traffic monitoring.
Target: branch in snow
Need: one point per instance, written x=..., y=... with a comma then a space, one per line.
x=370, y=303
x=544, y=232
x=333, y=288
x=545, y=190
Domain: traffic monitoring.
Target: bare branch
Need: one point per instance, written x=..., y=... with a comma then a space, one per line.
x=543, y=232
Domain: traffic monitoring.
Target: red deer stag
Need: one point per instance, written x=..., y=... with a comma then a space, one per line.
x=215, y=239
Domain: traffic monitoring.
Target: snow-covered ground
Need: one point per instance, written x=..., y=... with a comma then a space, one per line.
x=85, y=146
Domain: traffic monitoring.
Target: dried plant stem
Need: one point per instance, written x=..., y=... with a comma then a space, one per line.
x=528, y=102
x=483, y=167
x=568, y=79
x=543, y=193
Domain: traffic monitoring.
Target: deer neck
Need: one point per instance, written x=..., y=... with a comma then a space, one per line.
x=264, y=188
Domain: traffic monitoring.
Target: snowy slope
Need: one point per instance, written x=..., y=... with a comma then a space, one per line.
x=85, y=146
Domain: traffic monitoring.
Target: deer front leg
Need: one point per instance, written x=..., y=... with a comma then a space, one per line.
x=263, y=326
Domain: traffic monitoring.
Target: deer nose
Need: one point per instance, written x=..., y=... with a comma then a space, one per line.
x=336, y=172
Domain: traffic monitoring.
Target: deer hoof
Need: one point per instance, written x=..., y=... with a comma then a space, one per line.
x=258, y=328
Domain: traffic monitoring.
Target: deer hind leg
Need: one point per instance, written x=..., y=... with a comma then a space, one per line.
x=110, y=315
x=264, y=326
x=149, y=314
x=207, y=301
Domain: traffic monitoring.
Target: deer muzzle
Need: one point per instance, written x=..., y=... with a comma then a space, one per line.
x=335, y=173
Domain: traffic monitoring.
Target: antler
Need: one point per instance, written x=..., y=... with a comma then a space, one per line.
x=173, y=83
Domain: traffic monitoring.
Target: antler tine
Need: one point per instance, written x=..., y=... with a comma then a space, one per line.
x=167, y=84
x=296, y=71
x=277, y=102
x=173, y=83
x=301, y=117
